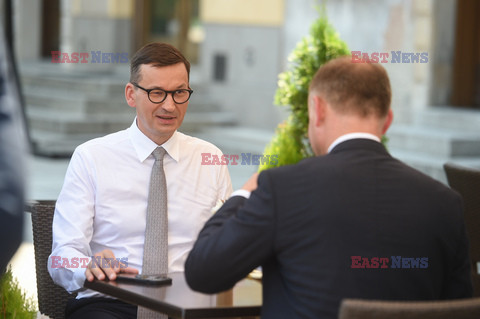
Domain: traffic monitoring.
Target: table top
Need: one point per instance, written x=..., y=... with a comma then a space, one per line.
x=179, y=301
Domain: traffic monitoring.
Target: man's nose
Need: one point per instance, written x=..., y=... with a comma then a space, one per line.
x=169, y=103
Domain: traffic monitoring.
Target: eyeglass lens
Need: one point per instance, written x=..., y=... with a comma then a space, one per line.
x=179, y=96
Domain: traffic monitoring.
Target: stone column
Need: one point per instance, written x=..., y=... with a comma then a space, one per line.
x=443, y=51
x=27, y=27
x=422, y=42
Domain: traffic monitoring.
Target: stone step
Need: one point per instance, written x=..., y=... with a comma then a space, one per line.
x=449, y=118
x=434, y=141
x=238, y=139
x=74, y=102
x=67, y=123
x=62, y=122
x=195, y=121
x=92, y=86
x=430, y=164
x=57, y=134
x=102, y=85
x=46, y=143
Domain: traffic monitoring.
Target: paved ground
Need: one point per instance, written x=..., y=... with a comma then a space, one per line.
x=45, y=179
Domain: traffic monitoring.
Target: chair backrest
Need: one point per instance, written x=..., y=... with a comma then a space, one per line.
x=52, y=299
x=445, y=309
x=466, y=181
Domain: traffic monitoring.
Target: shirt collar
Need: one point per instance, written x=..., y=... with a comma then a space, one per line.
x=145, y=146
x=351, y=136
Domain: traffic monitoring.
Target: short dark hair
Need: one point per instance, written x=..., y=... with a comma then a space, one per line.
x=157, y=54
x=361, y=88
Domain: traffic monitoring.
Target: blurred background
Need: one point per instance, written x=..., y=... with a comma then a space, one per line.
x=237, y=49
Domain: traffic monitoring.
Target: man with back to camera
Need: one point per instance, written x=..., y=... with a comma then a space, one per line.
x=352, y=222
x=102, y=208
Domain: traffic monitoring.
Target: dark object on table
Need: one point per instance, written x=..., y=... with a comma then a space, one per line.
x=155, y=280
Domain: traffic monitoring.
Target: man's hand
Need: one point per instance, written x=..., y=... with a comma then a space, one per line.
x=100, y=267
x=251, y=184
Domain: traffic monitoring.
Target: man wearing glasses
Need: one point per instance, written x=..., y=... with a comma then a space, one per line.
x=103, y=208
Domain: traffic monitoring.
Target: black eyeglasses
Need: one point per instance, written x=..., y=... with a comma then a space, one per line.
x=158, y=95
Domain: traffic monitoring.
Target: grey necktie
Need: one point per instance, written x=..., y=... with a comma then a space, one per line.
x=155, y=254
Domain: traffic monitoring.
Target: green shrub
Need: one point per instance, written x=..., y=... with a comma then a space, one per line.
x=14, y=302
x=290, y=142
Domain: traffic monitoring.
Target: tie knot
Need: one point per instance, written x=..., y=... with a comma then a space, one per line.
x=159, y=153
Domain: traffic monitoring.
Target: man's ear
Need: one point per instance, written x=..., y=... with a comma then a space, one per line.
x=320, y=109
x=388, y=121
x=129, y=94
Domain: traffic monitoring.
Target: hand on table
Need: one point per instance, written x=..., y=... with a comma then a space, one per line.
x=100, y=267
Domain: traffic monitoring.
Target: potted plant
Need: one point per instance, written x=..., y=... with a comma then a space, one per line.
x=290, y=143
x=13, y=302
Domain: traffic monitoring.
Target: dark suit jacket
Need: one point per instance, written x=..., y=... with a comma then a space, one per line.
x=311, y=225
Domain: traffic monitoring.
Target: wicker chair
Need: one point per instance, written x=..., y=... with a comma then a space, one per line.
x=446, y=309
x=466, y=181
x=52, y=299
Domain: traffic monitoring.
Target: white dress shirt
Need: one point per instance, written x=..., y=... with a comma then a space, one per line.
x=103, y=202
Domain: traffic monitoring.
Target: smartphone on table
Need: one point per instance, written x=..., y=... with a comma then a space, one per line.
x=157, y=280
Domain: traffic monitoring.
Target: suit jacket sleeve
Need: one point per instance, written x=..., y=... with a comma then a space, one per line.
x=237, y=239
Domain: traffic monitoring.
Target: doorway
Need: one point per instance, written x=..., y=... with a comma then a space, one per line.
x=170, y=21
x=50, y=27
x=466, y=67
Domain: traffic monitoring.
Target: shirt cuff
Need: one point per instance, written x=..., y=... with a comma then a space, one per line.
x=79, y=277
x=241, y=192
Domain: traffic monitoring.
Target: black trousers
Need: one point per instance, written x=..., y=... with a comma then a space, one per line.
x=101, y=308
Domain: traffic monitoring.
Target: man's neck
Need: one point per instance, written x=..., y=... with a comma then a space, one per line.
x=345, y=125
x=351, y=136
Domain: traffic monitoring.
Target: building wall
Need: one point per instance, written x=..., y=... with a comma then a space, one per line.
x=245, y=12
x=95, y=25
x=256, y=36
x=366, y=26
x=27, y=28
x=379, y=26
x=409, y=26
x=251, y=68
x=248, y=35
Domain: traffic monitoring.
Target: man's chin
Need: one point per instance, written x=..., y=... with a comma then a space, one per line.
x=167, y=130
